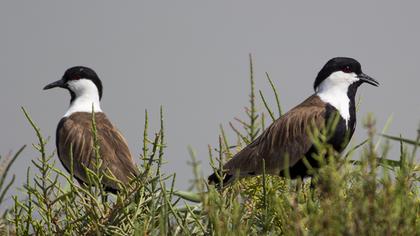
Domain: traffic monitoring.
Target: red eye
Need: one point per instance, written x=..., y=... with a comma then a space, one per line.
x=346, y=69
x=75, y=77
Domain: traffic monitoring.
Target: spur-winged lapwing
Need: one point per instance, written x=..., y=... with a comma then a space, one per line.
x=288, y=137
x=75, y=130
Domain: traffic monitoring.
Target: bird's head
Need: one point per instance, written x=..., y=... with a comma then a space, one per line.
x=79, y=80
x=340, y=73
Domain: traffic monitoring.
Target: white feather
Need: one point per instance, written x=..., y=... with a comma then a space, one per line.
x=87, y=95
x=333, y=90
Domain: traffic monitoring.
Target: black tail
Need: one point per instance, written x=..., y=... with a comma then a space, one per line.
x=215, y=179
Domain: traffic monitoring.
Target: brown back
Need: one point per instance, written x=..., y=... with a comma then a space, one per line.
x=287, y=136
x=114, y=152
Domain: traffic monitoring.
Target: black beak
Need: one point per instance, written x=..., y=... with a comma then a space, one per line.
x=366, y=78
x=59, y=83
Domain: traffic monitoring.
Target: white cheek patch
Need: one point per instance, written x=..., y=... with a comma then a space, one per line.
x=83, y=87
x=87, y=95
x=333, y=90
x=340, y=78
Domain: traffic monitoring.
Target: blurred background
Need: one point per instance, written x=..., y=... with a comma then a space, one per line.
x=191, y=57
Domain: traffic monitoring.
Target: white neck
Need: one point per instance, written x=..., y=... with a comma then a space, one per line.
x=338, y=99
x=333, y=90
x=86, y=97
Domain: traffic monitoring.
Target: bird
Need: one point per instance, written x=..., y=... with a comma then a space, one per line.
x=286, y=143
x=74, y=130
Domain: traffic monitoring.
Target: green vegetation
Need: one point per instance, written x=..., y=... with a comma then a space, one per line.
x=368, y=194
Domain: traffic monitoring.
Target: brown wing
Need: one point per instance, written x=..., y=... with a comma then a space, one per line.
x=286, y=137
x=76, y=131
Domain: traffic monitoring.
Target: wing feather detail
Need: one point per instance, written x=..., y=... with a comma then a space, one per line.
x=76, y=130
x=285, y=139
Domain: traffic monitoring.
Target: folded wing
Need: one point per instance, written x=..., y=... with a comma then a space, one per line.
x=281, y=145
x=114, y=153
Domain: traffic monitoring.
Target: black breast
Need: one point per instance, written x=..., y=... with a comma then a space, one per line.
x=339, y=140
x=343, y=132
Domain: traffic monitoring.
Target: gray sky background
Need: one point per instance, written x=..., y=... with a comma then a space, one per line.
x=192, y=57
